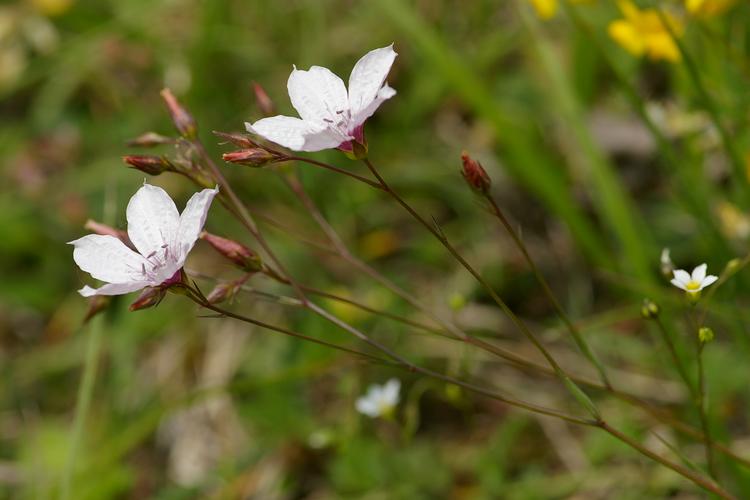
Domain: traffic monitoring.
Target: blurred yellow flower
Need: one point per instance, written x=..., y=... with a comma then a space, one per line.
x=52, y=8
x=642, y=32
x=708, y=8
x=546, y=9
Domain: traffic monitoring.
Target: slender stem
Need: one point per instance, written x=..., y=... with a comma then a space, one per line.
x=334, y=169
x=701, y=481
x=735, y=157
x=667, y=338
x=577, y=337
x=83, y=402
x=569, y=384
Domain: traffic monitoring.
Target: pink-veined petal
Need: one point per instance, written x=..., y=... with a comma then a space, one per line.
x=113, y=289
x=107, y=258
x=367, y=78
x=384, y=94
x=191, y=223
x=152, y=219
x=699, y=273
x=318, y=95
x=681, y=276
x=295, y=134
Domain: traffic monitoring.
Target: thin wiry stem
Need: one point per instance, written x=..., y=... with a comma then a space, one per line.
x=667, y=338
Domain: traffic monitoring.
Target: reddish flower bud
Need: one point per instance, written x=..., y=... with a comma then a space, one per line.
x=152, y=165
x=254, y=157
x=475, y=175
x=239, y=140
x=99, y=228
x=265, y=104
x=183, y=121
x=97, y=304
x=238, y=253
x=149, y=140
x=226, y=291
x=150, y=296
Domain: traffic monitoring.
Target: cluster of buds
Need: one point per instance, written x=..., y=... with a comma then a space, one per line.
x=475, y=175
x=250, y=153
x=649, y=309
x=705, y=335
x=237, y=253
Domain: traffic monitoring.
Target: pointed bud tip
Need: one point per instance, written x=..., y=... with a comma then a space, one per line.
x=474, y=174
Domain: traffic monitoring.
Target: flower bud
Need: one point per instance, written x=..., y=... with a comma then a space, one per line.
x=732, y=266
x=239, y=140
x=705, y=335
x=254, y=157
x=152, y=165
x=667, y=267
x=475, y=175
x=649, y=309
x=265, y=104
x=226, y=291
x=149, y=140
x=103, y=229
x=150, y=296
x=236, y=252
x=97, y=304
x=183, y=121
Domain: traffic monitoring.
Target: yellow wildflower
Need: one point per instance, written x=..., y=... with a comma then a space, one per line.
x=546, y=9
x=708, y=8
x=642, y=32
x=52, y=8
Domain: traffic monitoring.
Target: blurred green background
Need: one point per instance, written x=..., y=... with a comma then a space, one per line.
x=600, y=157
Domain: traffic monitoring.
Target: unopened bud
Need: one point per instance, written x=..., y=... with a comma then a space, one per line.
x=149, y=140
x=475, y=175
x=149, y=297
x=226, y=291
x=667, y=267
x=97, y=304
x=236, y=252
x=183, y=121
x=239, y=140
x=103, y=229
x=265, y=104
x=255, y=157
x=732, y=266
x=705, y=335
x=649, y=309
x=152, y=165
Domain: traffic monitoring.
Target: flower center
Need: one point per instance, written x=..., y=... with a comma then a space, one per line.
x=692, y=286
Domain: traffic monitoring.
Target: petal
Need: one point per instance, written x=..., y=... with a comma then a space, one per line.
x=390, y=391
x=191, y=224
x=699, y=273
x=296, y=134
x=681, y=276
x=367, y=78
x=709, y=280
x=384, y=94
x=318, y=95
x=107, y=258
x=678, y=283
x=152, y=219
x=367, y=407
x=113, y=289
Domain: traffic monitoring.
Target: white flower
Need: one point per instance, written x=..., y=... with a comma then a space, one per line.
x=161, y=235
x=330, y=117
x=380, y=400
x=693, y=283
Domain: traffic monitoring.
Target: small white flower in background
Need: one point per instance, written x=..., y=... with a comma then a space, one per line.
x=380, y=400
x=161, y=235
x=331, y=117
x=695, y=282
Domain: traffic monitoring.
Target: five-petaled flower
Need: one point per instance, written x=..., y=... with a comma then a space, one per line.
x=162, y=237
x=695, y=282
x=380, y=400
x=331, y=117
x=644, y=32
